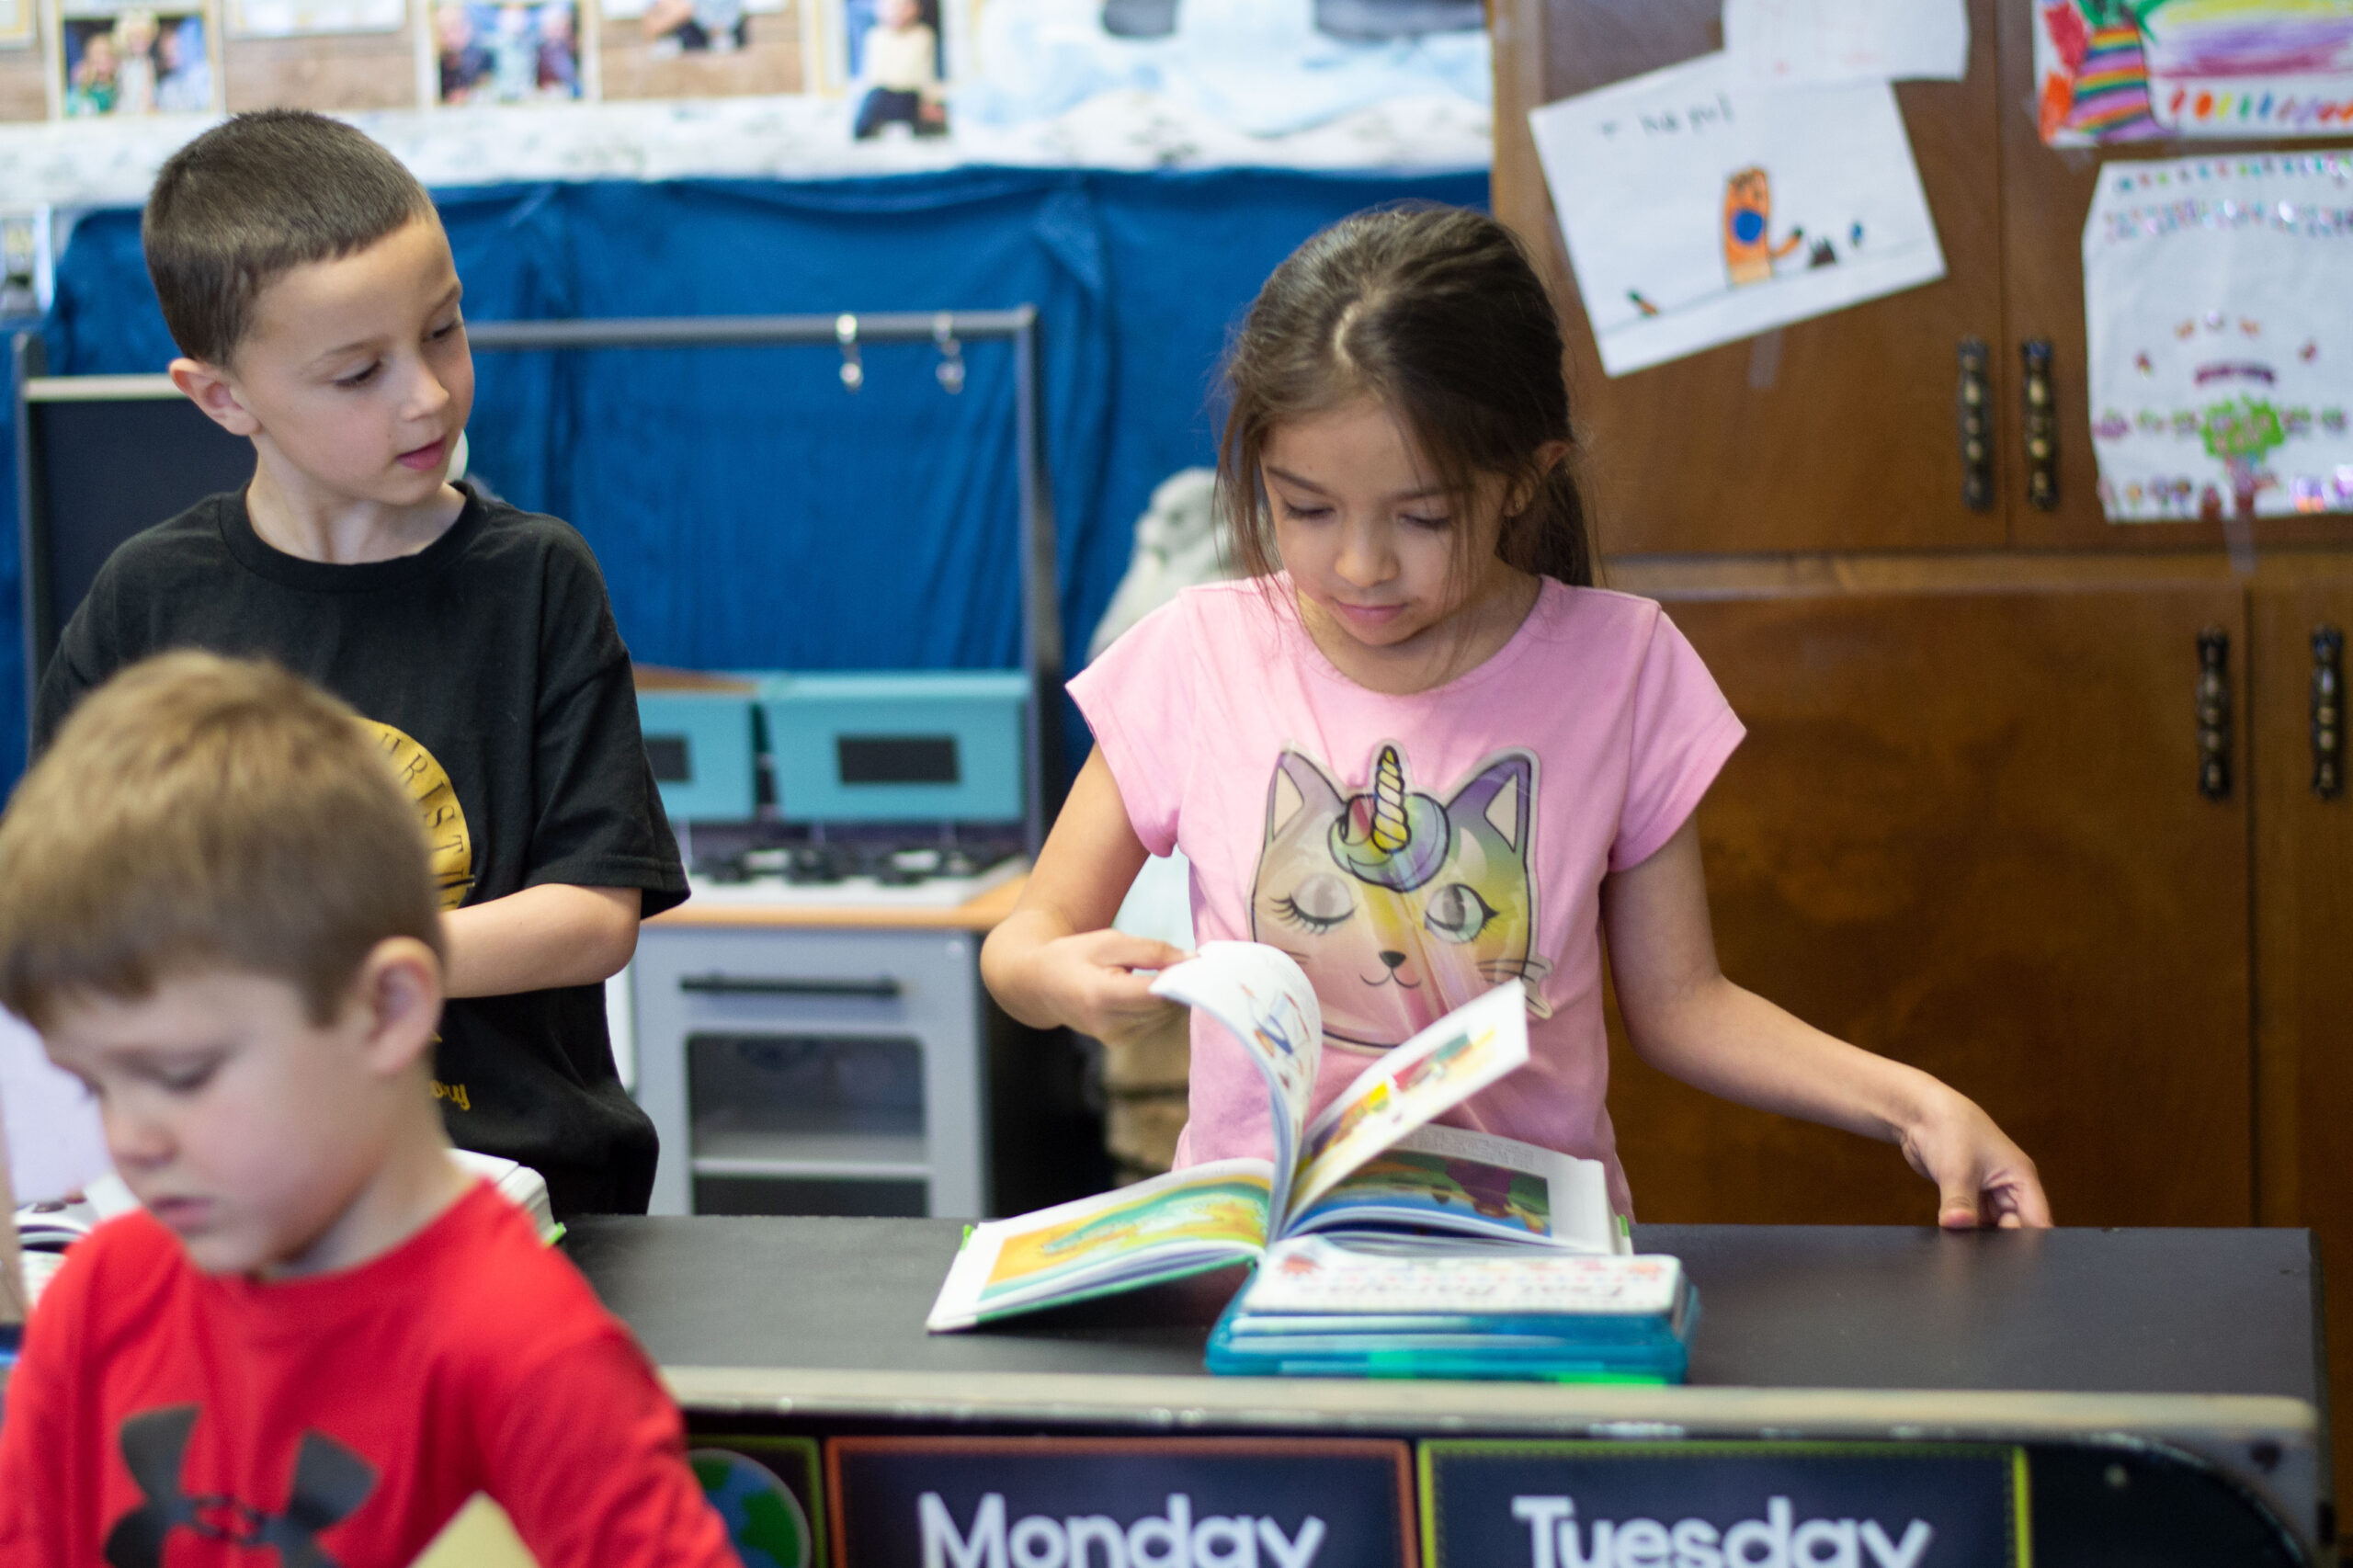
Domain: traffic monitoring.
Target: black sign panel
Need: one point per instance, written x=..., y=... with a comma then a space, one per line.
x=668, y=756
x=1119, y=1503
x=897, y=759
x=1592, y=1505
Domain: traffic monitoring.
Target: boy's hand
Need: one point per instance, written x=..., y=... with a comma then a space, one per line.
x=1092, y=983
x=1982, y=1177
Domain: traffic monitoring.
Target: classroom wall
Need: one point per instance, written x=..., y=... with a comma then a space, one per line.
x=748, y=511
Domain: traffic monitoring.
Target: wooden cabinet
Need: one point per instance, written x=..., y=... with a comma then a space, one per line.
x=2303, y=934
x=1834, y=433
x=1966, y=832
x=1966, y=829
x=1842, y=433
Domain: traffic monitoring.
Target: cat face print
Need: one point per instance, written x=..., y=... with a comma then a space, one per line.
x=1400, y=906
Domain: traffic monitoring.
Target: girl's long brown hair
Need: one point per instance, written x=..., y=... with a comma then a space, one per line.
x=1437, y=313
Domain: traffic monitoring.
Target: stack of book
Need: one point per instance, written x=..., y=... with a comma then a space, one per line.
x=1318, y=1307
x=1385, y=1244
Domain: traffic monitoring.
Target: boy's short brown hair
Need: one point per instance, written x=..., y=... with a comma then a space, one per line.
x=202, y=812
x=254, y=197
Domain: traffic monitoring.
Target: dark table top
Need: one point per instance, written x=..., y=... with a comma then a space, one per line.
x=2173, y=1312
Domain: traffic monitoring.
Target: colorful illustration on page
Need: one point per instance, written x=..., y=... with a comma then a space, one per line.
x=1232, y=1211
x=1415, y=1180
x=1265, y=1002
x=1700, y=207
x=2219, y=337
x=1432, y=1073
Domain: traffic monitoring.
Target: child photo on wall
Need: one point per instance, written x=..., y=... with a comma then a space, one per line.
x=898, y=66
x=693, y=26
x=505, y=54
x=695, y=48
x=113, y=58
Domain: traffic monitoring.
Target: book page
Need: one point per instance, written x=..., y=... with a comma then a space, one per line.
x=1264, y=1000
x=1435, y=1071
x=1473, y=1184
x=1202, y=1217
x=479, y=1535
x=1311, y=1273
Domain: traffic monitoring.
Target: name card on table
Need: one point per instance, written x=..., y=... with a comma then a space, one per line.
x=1121, y=1502
x=1595, y=1505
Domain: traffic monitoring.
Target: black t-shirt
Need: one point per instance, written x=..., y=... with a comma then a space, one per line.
x=490, y=666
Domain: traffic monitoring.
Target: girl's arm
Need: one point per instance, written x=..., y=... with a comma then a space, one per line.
x=1054, y=960
x=1684, y=1018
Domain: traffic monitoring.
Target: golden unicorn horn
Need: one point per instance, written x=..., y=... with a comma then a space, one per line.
x=1390, y=832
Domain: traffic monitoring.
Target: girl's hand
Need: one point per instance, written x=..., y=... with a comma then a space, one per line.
x=1054, y=960
x=1091, y=982
x=1683, y=1016
x=1982, y=1177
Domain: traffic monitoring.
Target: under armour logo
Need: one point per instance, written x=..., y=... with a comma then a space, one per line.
x=330, y=1483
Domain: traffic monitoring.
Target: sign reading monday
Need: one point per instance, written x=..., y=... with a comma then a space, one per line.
x=1119, y=1503
x=1590, y=1505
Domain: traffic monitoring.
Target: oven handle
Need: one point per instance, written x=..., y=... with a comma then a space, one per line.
x=881, y=988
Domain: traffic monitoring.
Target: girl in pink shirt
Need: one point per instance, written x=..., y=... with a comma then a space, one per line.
x=1417, y=750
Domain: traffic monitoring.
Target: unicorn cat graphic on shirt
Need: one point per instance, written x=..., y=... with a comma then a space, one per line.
x=1400, y=906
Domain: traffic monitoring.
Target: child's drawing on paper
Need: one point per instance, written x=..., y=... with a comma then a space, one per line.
x=1700, y=208
x=2265, y=68
x=1802, y=42
x=2121, y=70
x=1749, y=250
x=2220, y=342
x=2091, y=74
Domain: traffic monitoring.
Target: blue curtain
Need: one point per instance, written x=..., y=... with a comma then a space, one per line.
x=748, y=510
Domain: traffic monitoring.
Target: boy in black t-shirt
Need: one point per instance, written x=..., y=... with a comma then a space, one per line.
x=308, y=282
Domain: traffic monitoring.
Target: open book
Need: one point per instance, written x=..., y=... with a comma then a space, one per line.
x=1368, y=1164
x=479, y=1535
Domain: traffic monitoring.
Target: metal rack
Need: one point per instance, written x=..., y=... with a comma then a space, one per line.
x=1042, y=642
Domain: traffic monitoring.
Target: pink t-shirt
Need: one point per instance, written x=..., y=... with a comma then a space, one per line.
x=1411, y=852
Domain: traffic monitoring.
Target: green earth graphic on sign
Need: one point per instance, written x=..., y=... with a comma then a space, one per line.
x=763, y=1516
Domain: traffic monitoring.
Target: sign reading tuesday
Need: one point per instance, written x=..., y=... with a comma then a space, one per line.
x=1589, y=1505
x=1119, y=1502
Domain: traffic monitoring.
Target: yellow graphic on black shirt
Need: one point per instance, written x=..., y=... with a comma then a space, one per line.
x=428, y=785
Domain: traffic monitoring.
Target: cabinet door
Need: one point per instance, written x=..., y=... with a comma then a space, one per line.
x=1966, y=831
x=2303, y=931
x=1836, y=433
x=2046, y=194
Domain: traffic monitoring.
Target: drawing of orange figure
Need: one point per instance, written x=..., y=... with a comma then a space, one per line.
x=1749, y=251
